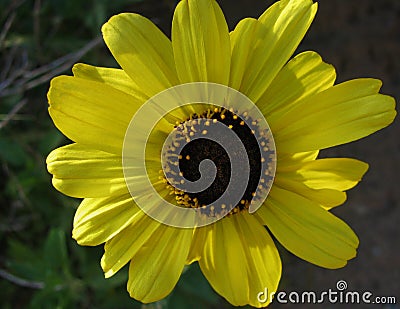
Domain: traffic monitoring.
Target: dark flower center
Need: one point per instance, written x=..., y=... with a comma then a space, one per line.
x=187, y=162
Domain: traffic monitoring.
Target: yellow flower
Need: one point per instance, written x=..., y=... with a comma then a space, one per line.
x=305, y=111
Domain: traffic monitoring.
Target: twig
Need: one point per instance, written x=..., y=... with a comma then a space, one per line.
x=26, y=283
x=20, y=281
x=9, y=64
x=6, y=28
x=12, y=7
x=47, y=71
x=36, y=27
x=12, y=113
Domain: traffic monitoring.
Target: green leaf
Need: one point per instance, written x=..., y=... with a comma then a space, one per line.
x=12, y=152
x=193, y=290
x=55, y=252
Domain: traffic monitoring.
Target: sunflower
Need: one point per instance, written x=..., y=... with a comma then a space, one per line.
x=305, y=113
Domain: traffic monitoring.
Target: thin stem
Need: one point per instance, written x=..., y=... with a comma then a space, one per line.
x=20, y=281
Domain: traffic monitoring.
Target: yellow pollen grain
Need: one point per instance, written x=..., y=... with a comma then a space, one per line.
x=207, y=123
x=230, y=126
x=262, y=160
x=187, y=157
x=204, y=132
x=242, y=123
x=215, y=120
x=235, y=117
x=222, y=117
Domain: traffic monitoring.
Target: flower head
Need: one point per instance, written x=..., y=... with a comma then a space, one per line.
x=301, y=109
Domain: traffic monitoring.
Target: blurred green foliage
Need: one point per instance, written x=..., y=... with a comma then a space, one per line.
x=40, y=265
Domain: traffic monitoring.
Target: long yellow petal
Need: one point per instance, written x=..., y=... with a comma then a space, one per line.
x=97, y=220
x=280, y=30
x=304, y=75
x=324, y=196
x=197, y=246
x=142, y=50
x=341, y=114
x=333, y=173
x=240, y=260
x=80, y=171
x=243, y=38
x=200, y=41
x=307, y=230
x=116, y=78
x=156, y=268
x=102, y=112
x=119, y=250
x=286, y=160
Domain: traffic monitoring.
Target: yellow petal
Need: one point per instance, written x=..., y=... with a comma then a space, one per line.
x=116, y=78
x=243, y=38
x=240, y=260
x=142, y=50
x=156, y=268
x=333, y=173
x=323, y=196
x=341, y=114
x=99, y=219
x=307, y=230
x=200, y=41
x=286, y=160
x=281, y=29
x=120, y=250
x=91, y=113
x=80, y=171
x=197, y=246
x=304, y=75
